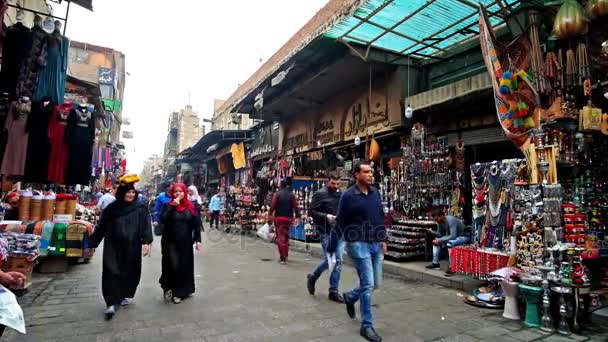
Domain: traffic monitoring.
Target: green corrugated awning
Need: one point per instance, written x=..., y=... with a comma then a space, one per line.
x=110, y=105
x=419, y=28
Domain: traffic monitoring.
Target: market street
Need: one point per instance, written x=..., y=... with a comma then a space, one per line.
x=243, y=294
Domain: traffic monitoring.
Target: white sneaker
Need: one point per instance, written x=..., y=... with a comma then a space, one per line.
x=110, y=311
x=126, y=301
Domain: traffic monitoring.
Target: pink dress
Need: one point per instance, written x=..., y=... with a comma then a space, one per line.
x=58, y=157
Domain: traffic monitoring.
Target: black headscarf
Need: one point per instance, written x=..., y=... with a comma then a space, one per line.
x=120, y=207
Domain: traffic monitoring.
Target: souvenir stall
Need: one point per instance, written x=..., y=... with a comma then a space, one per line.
x=422, y=178
x=545, y=216
x=51, y=220
x=304, y=188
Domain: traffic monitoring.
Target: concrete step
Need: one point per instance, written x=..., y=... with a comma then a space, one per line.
x=414, y=270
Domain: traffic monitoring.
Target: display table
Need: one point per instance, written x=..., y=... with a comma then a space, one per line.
x=477, y=262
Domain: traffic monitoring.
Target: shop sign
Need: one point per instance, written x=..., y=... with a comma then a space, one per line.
x=296, y=141
x=63, y=218
x=264, y=141
x=376, y=113
x=105, y=76
x=326, y=131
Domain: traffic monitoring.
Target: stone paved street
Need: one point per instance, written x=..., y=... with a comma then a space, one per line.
x=243, y=294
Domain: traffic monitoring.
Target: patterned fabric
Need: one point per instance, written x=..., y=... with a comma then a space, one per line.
x=499, y=59
x=35, y=61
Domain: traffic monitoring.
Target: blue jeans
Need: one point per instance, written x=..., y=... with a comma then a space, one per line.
x=368, y=259
x=460, y=240
x=334, y=278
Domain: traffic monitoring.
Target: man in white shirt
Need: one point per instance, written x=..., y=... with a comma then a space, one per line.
x=106, y=199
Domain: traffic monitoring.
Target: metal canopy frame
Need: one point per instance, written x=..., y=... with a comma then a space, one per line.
x=45, y=15
x=432, y=46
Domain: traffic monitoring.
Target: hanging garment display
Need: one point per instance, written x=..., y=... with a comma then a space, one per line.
x=79, y=137
x=33, y=63
x=14, y=51
x=58, y=155
x=38, y=148
x=238, y=156
x=13, y=163
x=5, y=106
x=51, y=81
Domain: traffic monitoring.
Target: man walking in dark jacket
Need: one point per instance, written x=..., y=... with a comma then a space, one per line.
x=284, y=208
x=323, y=211
x=360, y=221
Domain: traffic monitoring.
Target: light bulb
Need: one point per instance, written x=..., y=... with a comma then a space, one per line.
x=606, y=94
x=357, y=141
x=409, y=112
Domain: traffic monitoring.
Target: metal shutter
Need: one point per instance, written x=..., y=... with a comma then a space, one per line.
x=478, y=136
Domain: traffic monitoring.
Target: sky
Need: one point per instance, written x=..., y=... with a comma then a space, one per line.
x=175, y=48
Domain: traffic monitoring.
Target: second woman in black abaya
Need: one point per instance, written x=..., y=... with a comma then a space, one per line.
x=125, y=227
x=181, y=232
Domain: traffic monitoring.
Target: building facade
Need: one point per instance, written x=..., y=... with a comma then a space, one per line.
x=104, y=67
x=223, y=120
x=189, y=128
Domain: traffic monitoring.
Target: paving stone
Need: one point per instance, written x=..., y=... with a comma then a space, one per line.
x=526, y=334
x=242, y=298
x=557, y=338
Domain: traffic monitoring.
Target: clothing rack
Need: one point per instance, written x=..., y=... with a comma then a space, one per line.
x=65, y=20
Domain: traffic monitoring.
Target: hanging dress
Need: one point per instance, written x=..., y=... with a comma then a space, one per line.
x=79, y=136
x=38, y=146
x=5, y=106
x=51, y=81
x=58, y=156
x=33, y=62
x=14, y=51
x=13, y=163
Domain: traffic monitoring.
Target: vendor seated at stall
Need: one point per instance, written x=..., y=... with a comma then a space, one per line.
x=450, y=233
x=11, y=206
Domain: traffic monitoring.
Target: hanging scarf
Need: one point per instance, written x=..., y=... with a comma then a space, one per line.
x=185, y=203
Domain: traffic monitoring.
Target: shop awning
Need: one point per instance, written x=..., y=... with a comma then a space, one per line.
x=88, y=4
x=450, y=92
x=418, y=28
x=220, y=137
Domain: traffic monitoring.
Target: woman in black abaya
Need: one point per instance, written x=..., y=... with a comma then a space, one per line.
x=125, y=226
x=181, y=232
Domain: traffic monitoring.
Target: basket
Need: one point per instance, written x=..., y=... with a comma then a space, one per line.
x=48, y=208
x=60, y=207
x=22, y=265
x=35, y=208
x=71, y=207
x=24, y=207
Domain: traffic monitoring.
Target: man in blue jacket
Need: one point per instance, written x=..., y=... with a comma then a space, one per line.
x=360, y=221
x=162, y=199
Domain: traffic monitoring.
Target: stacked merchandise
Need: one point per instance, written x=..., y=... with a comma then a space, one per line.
x=425, y=177
x=243, y=206
x=407, y=238
x=304, y=189
x=23, y=249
